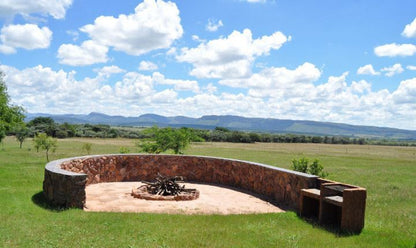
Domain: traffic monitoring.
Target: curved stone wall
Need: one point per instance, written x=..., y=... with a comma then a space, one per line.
x=66, y=179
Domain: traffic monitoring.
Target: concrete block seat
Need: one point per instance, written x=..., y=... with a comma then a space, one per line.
x=337, y=204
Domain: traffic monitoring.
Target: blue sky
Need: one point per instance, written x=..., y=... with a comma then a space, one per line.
x=338, y=61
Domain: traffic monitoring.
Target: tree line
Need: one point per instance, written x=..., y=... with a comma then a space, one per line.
x=219, y=134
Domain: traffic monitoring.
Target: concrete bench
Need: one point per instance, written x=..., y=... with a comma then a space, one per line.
x=336, y=204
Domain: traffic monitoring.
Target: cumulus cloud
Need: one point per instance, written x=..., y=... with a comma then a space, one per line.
x=360, y=87
x=393, y=70
x=393, y=50
x=406, y=93
x=134, y=86
x=411, y=67
x=55, y=8
x=298, y=95
x=213, y=25
x=367, y=70
x=154, y=25
x=166, y=96
x=180, y=85
x=274, y=82
x=7, y=49
x=147, y=66
x=88, y=53
x=27, y=36
x=229, y=57
x=107, y=71
x=410, y=30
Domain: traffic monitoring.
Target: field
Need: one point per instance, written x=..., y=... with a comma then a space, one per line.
x=388, y=173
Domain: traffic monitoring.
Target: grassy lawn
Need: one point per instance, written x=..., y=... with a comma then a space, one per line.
x=388, y=173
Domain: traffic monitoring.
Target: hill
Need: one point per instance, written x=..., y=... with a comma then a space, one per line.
x=238, y=123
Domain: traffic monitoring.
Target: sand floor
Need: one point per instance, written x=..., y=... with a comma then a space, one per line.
x=116, y=197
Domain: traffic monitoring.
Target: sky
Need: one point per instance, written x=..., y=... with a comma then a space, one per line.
x=348, y=62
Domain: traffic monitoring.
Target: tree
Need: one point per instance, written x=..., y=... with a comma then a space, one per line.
x=43, y=125
x=167, y=139
x=45, y=142
x=10, y=115
x=22, y=132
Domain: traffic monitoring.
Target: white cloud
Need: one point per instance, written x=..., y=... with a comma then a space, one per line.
x=55, y=8
x=147, y=66
x=406, y=93
x=87, y=54
x=166, y=96
x=410, y=30
x=107, y=71
x=295, y=95
x=229, y=57
x=360, y=87
x=210, y=88
x=367, y=70
x=393, y=50
x=180, y=85
x=73, y=34
x=154, y=25
x=274, y=82
x=134, y=86
x=213, y=25
x=411, y=67
x=27, y=36
x=7, y=49
x=393, y=70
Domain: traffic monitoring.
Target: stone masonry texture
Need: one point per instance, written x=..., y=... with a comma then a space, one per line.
x=65, y=180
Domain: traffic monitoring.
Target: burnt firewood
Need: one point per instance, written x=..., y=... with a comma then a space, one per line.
x=165, y=185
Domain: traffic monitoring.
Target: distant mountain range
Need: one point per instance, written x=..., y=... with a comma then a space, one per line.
x=237, y=123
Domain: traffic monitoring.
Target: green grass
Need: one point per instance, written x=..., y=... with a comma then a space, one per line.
x=388, y=173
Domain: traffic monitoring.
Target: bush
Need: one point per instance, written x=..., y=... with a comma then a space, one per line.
x=302, y=165
x=124, y=150
x=317, y=169
x=87, y=148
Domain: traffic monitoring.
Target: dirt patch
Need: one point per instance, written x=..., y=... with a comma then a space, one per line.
x=116, y=197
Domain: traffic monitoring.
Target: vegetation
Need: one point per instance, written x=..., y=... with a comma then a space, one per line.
x=45, y=142
x=21, y=133
x=10, y=115
x=387, y=172
x=219, y=134
x=124, y=150
x=86, y=147
x=164, y=139
x=315, y=168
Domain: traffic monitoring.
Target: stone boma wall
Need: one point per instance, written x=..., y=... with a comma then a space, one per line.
x=65, y=180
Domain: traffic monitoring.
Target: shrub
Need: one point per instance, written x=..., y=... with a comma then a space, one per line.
x=87, y=148
x=317, y=169
x=124, y=150
x=302, y=165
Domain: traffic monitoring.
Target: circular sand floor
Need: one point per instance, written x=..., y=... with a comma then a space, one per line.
x=116, y=197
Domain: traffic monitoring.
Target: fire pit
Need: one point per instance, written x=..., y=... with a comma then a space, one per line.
x=165, y=189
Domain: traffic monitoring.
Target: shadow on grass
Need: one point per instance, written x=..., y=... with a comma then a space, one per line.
x=327, y=227
x=40, y=200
